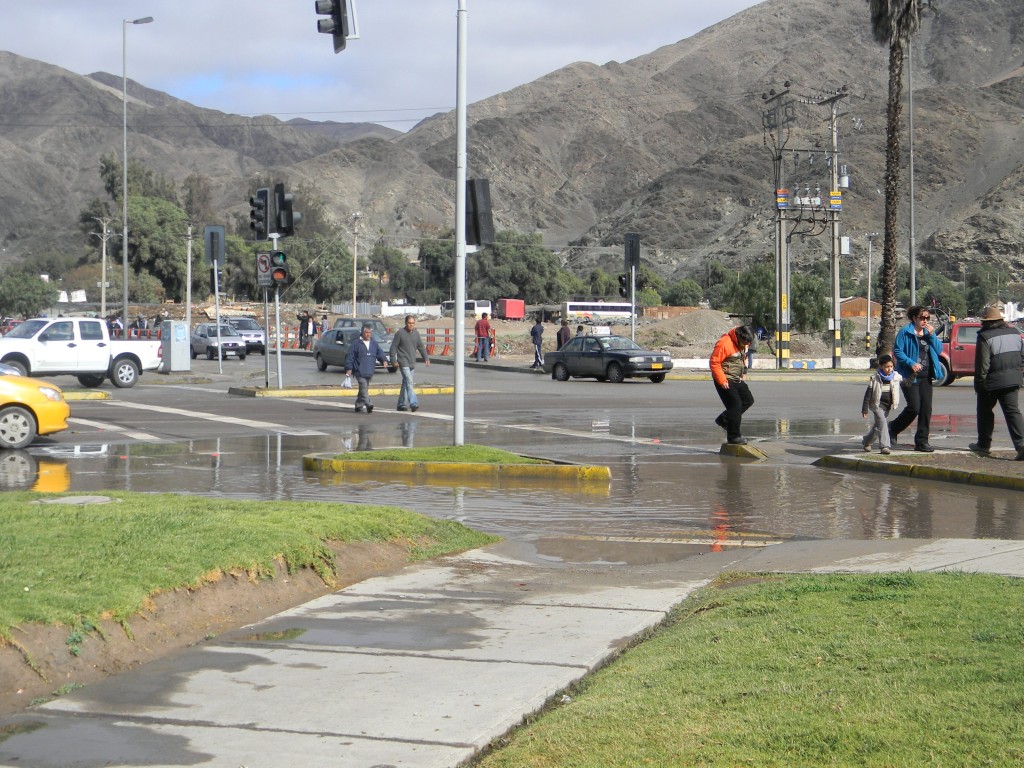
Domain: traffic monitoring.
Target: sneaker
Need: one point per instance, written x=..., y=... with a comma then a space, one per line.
x=415, y=408
x=885, y=451
x=866, y=446
x=1020, y=455
x=926, y=448
x=358, y=409
x=737, y=441
x=720, y=421
x=892, y=437
x=977, y=448
x=369, y=409
x=402, y=408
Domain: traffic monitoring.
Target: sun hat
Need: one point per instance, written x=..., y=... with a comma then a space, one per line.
x=991, y=313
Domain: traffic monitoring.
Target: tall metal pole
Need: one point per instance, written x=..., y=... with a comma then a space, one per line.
x=124, y=169
x=355, y=256
x=188, y=285
x=837, y=327
x=460, y=229
x=867, y=337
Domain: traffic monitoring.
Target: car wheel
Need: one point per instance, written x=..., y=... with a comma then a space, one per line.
x=192, y=351
x=321, y=364
x=90, y=379
x=561, y=373
x=17, y=427
x=658, y=378
x=615, y=374
x=209, y=353
x=949, y=378
x=241, y=356
x=126, y=374
x=18, y=365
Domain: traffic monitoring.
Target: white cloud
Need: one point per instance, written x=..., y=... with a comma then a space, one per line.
x=266, y=57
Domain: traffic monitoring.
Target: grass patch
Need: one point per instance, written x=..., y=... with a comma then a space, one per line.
x=890, y=670
x=74, y=564
x=450, y=454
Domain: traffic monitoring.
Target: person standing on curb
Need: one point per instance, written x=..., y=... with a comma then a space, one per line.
x=917, y=349
x=483, y=338
x=728, y=370
x=404, y=346
x=537, y=337
x=881, y=397
x=564, y=334
x=998, y=359
x=363, y=355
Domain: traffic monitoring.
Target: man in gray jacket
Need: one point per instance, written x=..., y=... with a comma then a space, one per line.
x=998, y=360
x=404, y=346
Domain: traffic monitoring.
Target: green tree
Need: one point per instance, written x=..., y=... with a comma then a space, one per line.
x=600, y=284
x=516, y=266
x=24, y=294
x=157, y=243
x=751, y=294
x=892, y=24
x=810, y=296
x=198, y=199
x=684, y=293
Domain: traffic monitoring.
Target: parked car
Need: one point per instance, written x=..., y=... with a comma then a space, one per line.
x=332, y=347
x=606, y=358
x=29, y=407
x=204, y=341
x=381, y=333
x=9, y=370
x=253, y=333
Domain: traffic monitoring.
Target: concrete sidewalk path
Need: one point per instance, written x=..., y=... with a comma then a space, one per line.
x=421, y=668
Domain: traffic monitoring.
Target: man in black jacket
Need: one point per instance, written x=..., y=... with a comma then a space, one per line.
x=998, y=360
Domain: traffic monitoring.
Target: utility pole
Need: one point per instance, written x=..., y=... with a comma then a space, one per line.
x=104, y=236
x=867, y=335
x=355, y=256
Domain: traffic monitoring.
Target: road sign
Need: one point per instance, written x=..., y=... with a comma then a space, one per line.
x=266, y=280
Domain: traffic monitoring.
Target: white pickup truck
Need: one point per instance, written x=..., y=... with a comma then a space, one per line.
x=78, y=346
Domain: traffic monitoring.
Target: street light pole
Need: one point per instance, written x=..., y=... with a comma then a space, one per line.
x=355, y=256
x=124, y=156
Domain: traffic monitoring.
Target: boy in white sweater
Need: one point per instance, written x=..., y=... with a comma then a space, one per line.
x=881, y=397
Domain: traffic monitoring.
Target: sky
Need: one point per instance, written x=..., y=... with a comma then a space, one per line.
x=256, y=57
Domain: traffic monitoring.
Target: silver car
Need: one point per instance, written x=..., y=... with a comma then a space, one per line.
x=381, y=333
x=253, y=333
x=205, y=342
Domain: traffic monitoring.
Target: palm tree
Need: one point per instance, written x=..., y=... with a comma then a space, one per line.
x=892, y=24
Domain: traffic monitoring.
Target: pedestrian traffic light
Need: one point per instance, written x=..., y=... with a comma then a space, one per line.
x=259, y=207
x=479, y=219
x=286, y=217
x=337, y=24
x=279, y=267
x=624, y=285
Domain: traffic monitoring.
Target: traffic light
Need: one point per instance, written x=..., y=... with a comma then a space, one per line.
x=279, y=267
x=337, y=25
x=624, y=285
x=632, y=251
x=479, y=219
x=259, y=208
x=286, y=217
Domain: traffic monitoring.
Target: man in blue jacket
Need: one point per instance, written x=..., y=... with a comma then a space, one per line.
x=362, y=360
x=998, y=359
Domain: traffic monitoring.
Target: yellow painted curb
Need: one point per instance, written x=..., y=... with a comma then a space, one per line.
x=331, y=391
x=447, y=471
x=940, y=474
x=747, y=451
x=90, y=394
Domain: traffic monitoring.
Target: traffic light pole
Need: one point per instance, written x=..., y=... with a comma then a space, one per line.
x=277, y=320
x=632, y=301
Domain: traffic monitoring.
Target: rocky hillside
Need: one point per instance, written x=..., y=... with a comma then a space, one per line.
x=669, y=145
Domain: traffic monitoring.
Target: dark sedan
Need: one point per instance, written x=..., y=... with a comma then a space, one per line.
x=606, y=358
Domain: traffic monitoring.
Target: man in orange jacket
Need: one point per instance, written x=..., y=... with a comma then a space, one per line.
x=729, y=370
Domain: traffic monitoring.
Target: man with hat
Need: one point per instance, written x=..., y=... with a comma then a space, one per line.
x=998, y=360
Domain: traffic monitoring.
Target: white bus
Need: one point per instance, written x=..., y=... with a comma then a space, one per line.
x=596, y=311
x=474, y=308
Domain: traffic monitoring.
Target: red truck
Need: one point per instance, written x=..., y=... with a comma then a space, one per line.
x=958, y=344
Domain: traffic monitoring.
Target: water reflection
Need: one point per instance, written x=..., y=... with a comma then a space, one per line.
x=661, y=493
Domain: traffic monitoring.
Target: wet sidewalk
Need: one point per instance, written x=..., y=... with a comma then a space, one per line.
x=422, y=668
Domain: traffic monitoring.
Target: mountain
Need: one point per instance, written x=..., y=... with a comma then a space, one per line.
x=669, y=145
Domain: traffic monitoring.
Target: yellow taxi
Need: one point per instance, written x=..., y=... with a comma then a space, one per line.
x=29, y=407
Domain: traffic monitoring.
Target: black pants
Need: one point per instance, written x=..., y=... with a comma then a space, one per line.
x=736, y=399
x=919, y=406
x=1007, y=399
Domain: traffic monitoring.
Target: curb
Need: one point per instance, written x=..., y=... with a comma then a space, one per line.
x=329, y=390
x=747, y=451
x=85, y=394
x=429, y=470
x=941, y=474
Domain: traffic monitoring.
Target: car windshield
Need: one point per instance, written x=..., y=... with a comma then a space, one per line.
x=26, y=330
x=616, y=343
x=246, y=324
x=225, y=330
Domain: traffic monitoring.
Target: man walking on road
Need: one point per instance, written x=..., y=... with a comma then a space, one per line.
x=729, y=369
x=404, y=346
x=363, y=356
x=998, y=359
x=537, y=337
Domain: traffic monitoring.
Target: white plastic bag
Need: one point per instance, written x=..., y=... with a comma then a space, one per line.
x=347, y=383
